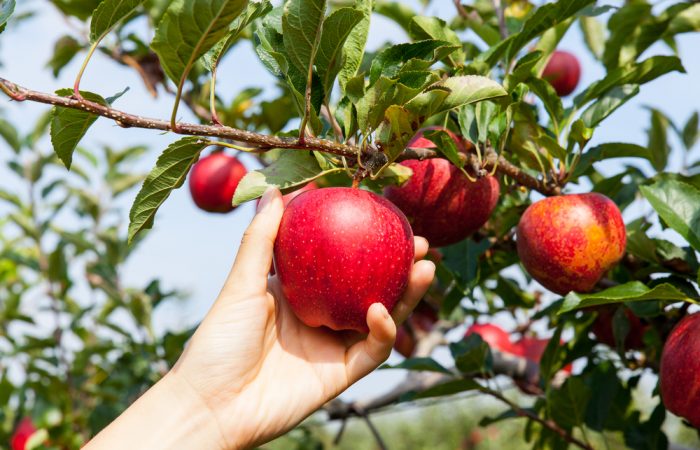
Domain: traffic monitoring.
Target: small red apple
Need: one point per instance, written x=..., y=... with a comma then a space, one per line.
x=680, y=366
x=25, y=429
x=421, y=322
x=497, y=338
x=214, y=180
x=603, y=328
x=338, y=251
x=568, y=242
x=441, y=203
x=533, y=349
x=563, y=72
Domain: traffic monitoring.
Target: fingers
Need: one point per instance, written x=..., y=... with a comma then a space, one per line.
x=418, y=283
x=252, y=265
x=421, y=246
x=366, y=355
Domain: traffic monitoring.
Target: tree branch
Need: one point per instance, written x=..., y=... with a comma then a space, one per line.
x=262, y=141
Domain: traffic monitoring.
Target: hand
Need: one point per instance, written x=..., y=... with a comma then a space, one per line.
x=252, y=370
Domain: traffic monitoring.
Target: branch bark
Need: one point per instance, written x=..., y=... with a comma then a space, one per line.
x=261, y=141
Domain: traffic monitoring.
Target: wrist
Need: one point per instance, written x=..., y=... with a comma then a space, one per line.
x=170, y=415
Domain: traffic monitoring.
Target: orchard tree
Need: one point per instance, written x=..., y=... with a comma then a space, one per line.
x=464, y=127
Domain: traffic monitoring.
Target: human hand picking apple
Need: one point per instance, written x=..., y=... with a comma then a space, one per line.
x=253, y=370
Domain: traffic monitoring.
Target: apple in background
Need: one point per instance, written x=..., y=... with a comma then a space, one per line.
x=533, y=349
x=563, y=72
x=214, y=180
x=603, y=328
x=338, y=251
x=421, y=322
x=569, y=242
x=497, y=338
x=25, y=429
x=680, y=366
x=441, y=203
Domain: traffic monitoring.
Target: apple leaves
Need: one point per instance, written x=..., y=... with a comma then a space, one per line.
x=108, y=14
x=168, y=174
x=678, y=204
x=634, y=291
x=6, y=10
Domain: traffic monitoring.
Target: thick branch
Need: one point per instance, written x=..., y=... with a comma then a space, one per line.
x=262, y=141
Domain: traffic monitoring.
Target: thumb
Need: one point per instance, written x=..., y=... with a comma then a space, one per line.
x=252, y=266
x=366, y=355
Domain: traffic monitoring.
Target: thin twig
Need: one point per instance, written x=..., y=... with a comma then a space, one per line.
x=375, y=432
x=500, y=13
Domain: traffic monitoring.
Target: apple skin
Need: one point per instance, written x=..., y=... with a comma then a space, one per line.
x=680, y=366
x=338, y=251
x=213, y=181
x=603, y=328
x=563, y=72
x=533, y=349
x=441, y=203
x=24, y=431
x=421, y=321
x=568, y=242
x=497, y=338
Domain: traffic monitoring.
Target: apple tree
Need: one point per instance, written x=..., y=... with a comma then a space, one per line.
x=468, y=126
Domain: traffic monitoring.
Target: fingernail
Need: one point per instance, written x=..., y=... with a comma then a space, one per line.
x=266, y=198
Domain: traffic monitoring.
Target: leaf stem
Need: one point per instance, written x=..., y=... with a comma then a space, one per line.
x=78, y=78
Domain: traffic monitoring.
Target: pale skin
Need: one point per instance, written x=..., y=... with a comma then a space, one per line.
x=252, y=370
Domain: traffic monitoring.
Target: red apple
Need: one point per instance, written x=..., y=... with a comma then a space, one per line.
x=497, y=338
x=603, y=328
x=214, y=180
x=568, y=242
x=25, y=429
x=563, y=72
x=680, y=366
x=338, y=251
x=419, y=141
x=533, y=349
x=421, y=322
x=441, y=203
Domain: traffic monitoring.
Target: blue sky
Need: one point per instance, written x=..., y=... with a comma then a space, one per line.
x=191, y=250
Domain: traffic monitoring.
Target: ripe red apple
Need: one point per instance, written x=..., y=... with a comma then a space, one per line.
x=338, y=251
x=421, y=322
x=441, y=203
x=533, y=349
x=24, y=431
x=603, y=328
x=214, y=180
x=680, y=366
x=563, y=72
x=497, y=338
x=568, y=242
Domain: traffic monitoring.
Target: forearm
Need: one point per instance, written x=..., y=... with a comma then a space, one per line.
x=168, y=416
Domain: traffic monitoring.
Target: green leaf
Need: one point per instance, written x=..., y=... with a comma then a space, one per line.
x=611, y=150
x=472, y=355
x=422, y=28
x=550, y=99
x=302, y=23
x=685, y=21
x=334, y=34
x=68, y=126
x=608, y=103
x=396, y=11
x=189, y=29
x=567, y=405
x=634, y=73
x=253, y=12
x=419, y=364
x=292, y=169
x=625, y=28
x=658, y=139
x=396, y=130
x=690, y=131
x=82, y=9
x=109, y=14
x=634, y=291
x=445, y=145
x=449, y=388
x=454, y=92
x=594, y=35
x=6, y=10
x=421, y=55
x=64, y=51
x=168, y=174
x=10, y=135
x=354, y=48
x=678, y=204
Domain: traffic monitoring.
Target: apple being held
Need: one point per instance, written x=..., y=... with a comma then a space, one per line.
x=497, y=338
x=25, y=430
x=338, y=251
x=603, y=328
x=680, y=366
x=569, y=242
x=214, y=180
x=441, y=203
x=563, y=72
x=420, y=322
